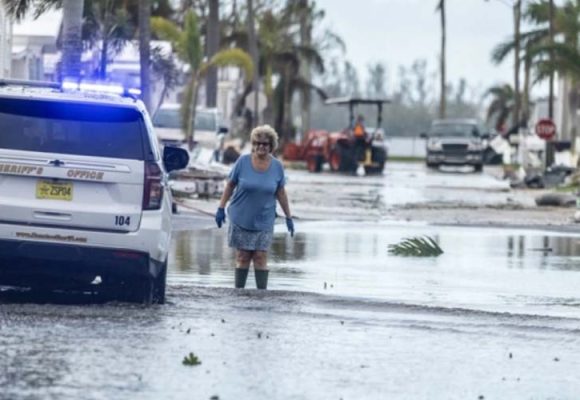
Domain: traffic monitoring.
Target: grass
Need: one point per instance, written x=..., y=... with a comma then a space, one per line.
x=416, y=247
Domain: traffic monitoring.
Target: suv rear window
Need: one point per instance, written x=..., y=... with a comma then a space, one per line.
x=71, y=128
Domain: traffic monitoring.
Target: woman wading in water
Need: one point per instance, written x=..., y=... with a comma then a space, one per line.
x=256, y=181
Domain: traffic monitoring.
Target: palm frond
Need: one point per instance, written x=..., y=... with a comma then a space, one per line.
x=234, y=57
x=416, y=247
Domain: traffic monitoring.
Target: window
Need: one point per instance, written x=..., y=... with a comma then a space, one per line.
x=68, y=128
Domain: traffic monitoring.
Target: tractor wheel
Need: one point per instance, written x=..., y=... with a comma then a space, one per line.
x=314, y=163
x=342, y=159
x=379, y=157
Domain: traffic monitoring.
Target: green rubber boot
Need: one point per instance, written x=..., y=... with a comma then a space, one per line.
x=261, y=278
x=241, y=277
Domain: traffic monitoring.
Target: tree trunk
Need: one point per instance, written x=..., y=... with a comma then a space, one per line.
x=287, y=107
x=443, y=98
x=192, y=110
x=517, y=21
x=145, y=51
x=526, y=90
x=253, y=42
x=306, y=40
x=213, y=39
x=72, y=48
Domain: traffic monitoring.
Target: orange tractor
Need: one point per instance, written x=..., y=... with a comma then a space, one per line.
x=342, y=150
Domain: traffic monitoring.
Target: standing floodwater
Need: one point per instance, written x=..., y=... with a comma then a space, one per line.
x=497, y=316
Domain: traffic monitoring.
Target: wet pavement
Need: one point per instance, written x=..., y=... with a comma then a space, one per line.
x=497, y=316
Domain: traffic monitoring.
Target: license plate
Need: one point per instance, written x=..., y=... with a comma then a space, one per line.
x=54, y=190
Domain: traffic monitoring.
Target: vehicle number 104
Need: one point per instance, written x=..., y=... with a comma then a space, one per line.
x=121, y=220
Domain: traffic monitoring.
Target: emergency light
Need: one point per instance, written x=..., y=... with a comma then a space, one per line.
x=99, y=87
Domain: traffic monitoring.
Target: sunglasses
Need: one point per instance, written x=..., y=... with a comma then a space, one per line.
x=265, y=144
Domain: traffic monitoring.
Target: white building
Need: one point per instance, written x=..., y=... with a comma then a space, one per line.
x=5, y=43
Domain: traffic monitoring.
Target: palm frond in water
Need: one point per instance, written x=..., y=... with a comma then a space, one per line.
x=416, y=247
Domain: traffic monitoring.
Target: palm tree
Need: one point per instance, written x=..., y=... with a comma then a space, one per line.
x=71, y=23
x=187, y=43
x=443, y=86
x=501, y=106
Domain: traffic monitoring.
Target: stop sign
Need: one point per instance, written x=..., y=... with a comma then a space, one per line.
x=546, y=129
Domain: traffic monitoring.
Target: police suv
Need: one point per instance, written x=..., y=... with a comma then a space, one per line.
x=84, y=200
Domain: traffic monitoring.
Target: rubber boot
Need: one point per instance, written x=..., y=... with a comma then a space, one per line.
x=261, y=278
x=241, y=276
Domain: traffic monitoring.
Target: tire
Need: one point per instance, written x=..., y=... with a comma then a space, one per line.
x=160, y=284
x=140, y=290
x=432, y=165
x=478, y=168
x=314, y=164
x=379, y=156
x=342, y=159
x=174, y=209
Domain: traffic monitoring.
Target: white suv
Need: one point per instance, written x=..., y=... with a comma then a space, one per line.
x=84, y=200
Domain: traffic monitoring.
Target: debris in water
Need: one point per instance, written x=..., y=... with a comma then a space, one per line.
x=188, y=330
x=223, y=321
x=191, y=360
x=416, y=247
x=511, y=355
x=259, y=335
x=556, y=359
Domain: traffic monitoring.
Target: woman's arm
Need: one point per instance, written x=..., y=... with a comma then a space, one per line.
x=283, y=200
x=230, y=186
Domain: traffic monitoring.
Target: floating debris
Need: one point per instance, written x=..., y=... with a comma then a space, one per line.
x=416, y=247
x=191, y=360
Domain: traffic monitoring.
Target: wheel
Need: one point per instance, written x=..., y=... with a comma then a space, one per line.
x=342, y=159
x=138, y=290
x=432, y=165
x=174, y=208
x=379, y=156
x=478, y=167
x=160, y=283
x=314, y=163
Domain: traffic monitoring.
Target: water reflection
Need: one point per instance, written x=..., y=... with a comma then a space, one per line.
x=346, y=258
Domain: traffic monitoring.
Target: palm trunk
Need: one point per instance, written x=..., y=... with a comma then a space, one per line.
x=306, y=40
x=443, y=98
x=72, y=40
x=145, y=51
x=192, y=109
x=526, y=90
x=254, y=53
x=213, y=33
x=287, y=107
x=517, y=20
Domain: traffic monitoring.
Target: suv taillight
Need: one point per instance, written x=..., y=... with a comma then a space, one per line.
x=152, y=189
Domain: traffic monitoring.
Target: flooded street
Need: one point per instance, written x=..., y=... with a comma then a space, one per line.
x=497, y=316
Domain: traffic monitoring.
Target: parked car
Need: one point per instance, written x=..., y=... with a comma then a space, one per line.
x=168, y=125
x=455, y=142
x=84, y=201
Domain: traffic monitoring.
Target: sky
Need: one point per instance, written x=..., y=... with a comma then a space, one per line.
x=397, y=32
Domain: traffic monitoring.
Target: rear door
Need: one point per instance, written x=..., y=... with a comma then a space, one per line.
x=71, y=165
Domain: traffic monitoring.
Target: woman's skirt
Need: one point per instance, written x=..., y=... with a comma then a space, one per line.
x=243, y=239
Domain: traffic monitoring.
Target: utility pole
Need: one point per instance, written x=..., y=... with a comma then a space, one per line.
x=443, y=98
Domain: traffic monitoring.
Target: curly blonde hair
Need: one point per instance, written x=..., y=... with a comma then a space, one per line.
x=265, y=132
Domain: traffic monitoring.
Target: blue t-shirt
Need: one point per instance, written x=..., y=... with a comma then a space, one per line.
x=253, y=205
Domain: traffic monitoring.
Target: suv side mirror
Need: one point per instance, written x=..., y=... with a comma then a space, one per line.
x=423, y=135
x=223, y=129
x=174, y=158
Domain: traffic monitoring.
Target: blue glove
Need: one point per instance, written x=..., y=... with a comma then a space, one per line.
x=220, y=217
x=290, y=226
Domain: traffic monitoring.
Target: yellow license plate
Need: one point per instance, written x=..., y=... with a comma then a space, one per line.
x=54, y=190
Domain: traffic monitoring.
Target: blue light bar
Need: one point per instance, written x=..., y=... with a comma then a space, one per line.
x=99, y=87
